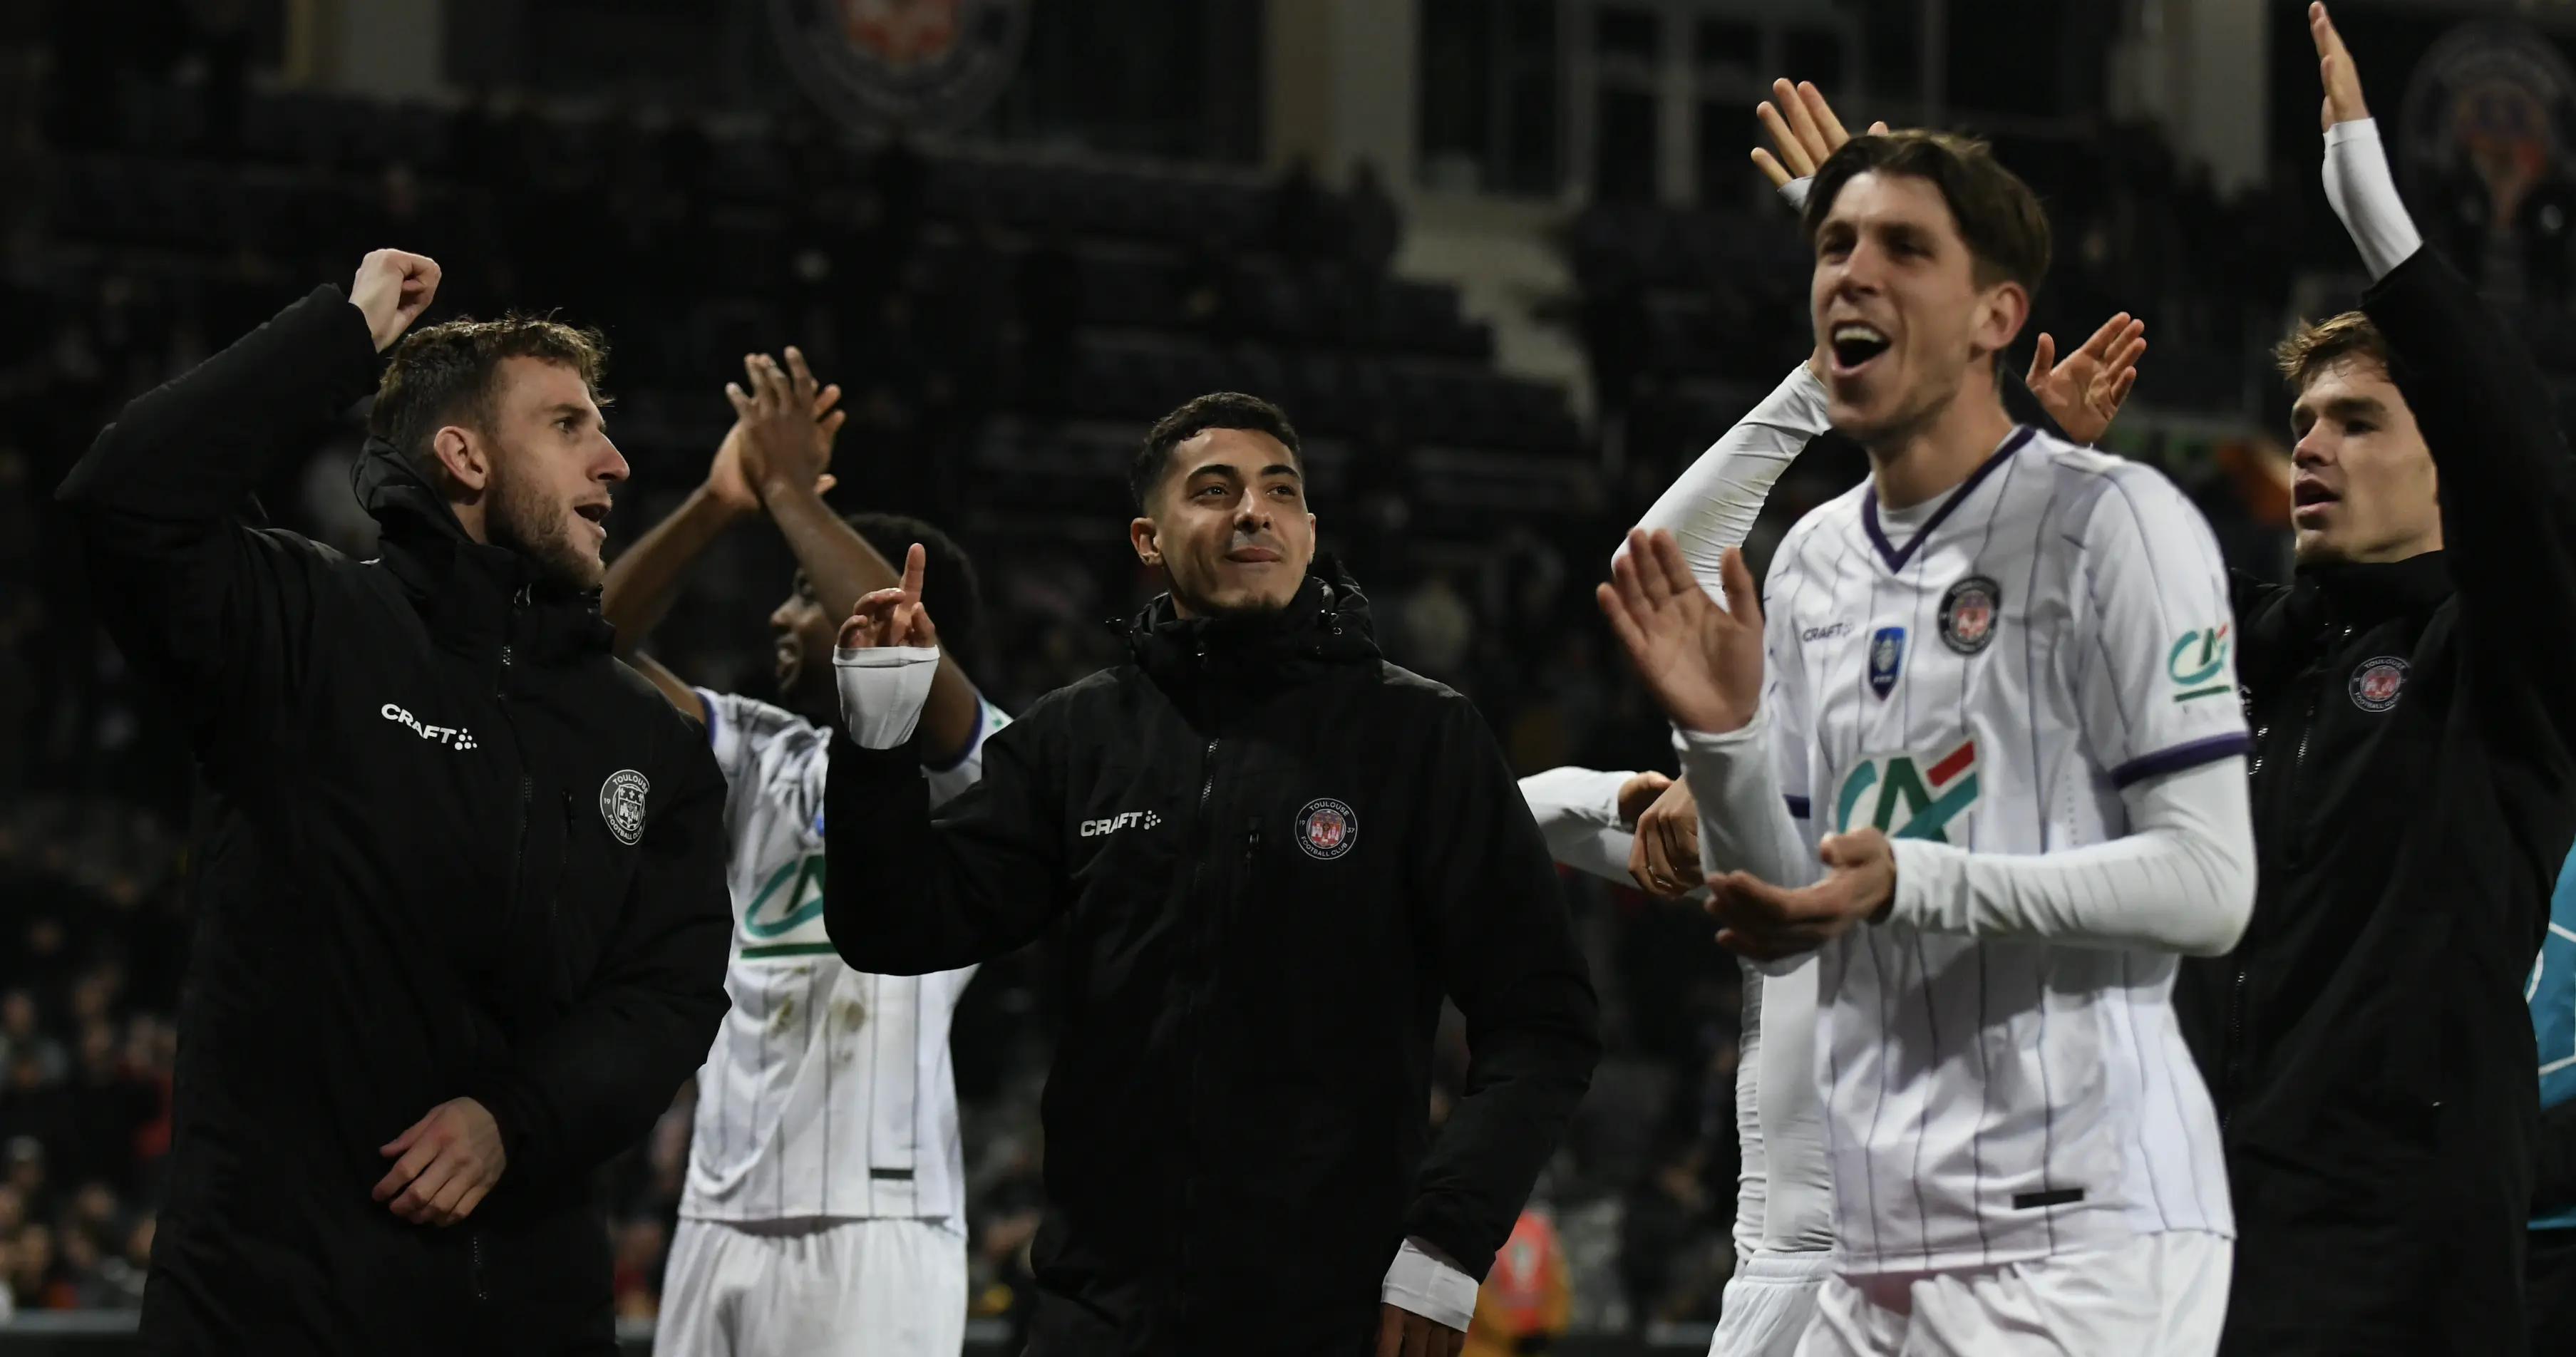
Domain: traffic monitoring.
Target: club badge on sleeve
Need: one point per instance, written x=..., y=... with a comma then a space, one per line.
x=621, y=804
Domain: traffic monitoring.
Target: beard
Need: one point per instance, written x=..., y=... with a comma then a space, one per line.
x=525, y=520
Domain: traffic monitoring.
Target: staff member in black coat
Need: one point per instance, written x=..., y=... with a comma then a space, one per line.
x=2414, y=792
x=461, y=916
x=1266, y=853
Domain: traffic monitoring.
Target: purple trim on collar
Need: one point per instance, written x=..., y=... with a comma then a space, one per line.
x=1878, y=536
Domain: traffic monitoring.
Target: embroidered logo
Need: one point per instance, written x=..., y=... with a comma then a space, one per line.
x=1327, y=828
x=1886, y=659
x=621, y=804
x=1141, y=819
x=454, y=737
x=2376, y=684
x=1968, y=614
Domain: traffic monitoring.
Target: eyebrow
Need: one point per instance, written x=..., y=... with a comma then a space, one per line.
x=2343, y=408
x=577, y=411
x=1227, y=470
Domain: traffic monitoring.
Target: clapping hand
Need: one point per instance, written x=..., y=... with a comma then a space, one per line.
x=1702, y=663
x=783, y=431
x=2336, y=72
x=2084, y=392
x=1806, y=136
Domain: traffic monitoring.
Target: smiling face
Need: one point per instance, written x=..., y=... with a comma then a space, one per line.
x=2364, y=488
x=1908, y=314
x=802, y=636
x=1228, y=523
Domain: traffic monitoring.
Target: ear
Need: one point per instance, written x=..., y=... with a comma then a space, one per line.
x=2001, y=312
x=463, y=457
x=1141, y=535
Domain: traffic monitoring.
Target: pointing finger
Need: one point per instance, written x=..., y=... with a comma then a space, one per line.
x=913, y=559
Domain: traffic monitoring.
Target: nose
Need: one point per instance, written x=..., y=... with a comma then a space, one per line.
x=1251, y=513
x=2314, y=448
x=612, y=467
x=780, y=619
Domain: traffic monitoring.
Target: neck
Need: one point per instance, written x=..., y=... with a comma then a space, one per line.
x=1931, y=456
x=470, y=518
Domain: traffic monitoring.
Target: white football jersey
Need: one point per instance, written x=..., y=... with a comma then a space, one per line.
x=829, y=1092
x=1989, y=670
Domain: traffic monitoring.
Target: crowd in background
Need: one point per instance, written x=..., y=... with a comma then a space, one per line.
x=1005, y=329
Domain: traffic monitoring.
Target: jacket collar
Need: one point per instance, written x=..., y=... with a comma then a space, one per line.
x=475, y=597
x=1326, y=623
x=2366, y=592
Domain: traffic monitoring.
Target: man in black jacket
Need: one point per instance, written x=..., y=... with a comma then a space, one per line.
x=2414, y=793
x=461, y=914
x=1266, y=854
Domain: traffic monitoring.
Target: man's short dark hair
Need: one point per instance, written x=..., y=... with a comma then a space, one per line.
x=950, y=588
x=2318, y=345
x=1998, y=215
x=1216, y=410
x=446, y=374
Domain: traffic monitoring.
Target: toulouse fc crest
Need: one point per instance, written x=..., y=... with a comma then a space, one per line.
x=1326, y=828
x=932, y=65
x=2376, y=684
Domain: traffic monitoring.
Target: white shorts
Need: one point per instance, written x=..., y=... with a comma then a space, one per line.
x=1768, y=1303
x=889, y=1288
x=2159, y=1295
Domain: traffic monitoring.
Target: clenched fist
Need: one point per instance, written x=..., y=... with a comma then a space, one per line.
x=391, y=290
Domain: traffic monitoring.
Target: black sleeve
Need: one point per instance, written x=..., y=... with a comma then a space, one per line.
x=2508, y=487
x=593, y=1084
x=2553, y=1180
x=212, y=609
x=1507, y=956
x=909, y=893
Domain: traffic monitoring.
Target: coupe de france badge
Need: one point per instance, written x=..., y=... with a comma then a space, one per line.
x=2376, y=684
x=621, y=804
x=1886, y=659
x=1968, y=614
x=1326, y=828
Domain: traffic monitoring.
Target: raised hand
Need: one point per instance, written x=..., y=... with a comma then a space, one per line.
x=2335, y=72
x=2084, y=392
x=391, y=290
x=783, y=431
x=1702, y=663
x=892, y=617
x=1806, y=136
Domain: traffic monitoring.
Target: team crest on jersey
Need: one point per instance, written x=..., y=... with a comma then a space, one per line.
x=1327, y=828
x=621, y=804
x=1886, y=659
x=1968, y=614
x=1909, y=796
x=2376, y=684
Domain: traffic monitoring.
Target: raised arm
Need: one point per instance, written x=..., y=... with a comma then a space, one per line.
x=785, y=463
x=911, y=892
x=2508, y=486
x=213, y=608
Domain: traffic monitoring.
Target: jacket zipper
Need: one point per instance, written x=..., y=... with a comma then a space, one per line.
x=518, y=858
x=474, y=1266
x=563, y=864
x=1198, y=1024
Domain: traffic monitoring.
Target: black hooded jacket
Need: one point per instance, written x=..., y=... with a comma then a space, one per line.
x=458, y=850
x=1265, y=855
x=2414, y=790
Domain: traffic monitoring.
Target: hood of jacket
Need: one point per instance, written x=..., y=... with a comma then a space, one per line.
x=475, y=596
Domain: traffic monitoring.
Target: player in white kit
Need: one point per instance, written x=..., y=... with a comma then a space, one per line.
x=825, y=1204
x=1997, y=706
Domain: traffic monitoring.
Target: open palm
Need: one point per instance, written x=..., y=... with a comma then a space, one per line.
x=1702, y=663
x=2084, y=391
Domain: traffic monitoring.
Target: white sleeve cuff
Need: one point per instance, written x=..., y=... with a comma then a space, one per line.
x=1423, y=1283
x=882, y=691
x=1796, y=191
x=2364, y=195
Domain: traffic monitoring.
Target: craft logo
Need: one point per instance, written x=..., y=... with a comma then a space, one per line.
x=1917, y=795
x=924, y=65
x=1326, y=828
x=2490, y=117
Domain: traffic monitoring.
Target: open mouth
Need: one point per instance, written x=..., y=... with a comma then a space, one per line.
x=2310, y=499
x=596, y=513
x=1854, y=344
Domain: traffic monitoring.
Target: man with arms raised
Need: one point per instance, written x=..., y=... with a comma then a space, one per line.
x=1267, y=854
x=461, y=912
x=1964, y=715
x=2414, y=794
x=825, y=1205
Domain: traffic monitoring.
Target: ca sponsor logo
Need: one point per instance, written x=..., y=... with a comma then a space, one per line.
x=454, y=737
x=1909, y=796
x=2197, y=664
x=1139, y=819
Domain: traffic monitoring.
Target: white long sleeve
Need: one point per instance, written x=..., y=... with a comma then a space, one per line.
x=1744, y=820
x=2181, y=880
x=883, y=690
x=1577, y=810
x=1713, y=504
x=2364, y=194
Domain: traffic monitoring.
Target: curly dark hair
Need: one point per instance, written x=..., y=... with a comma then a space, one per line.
x=1216, y=410
x=445, y=374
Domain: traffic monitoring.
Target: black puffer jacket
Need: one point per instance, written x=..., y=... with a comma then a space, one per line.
x=1266, y=854
x=458, y=851
x=2414, y=788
